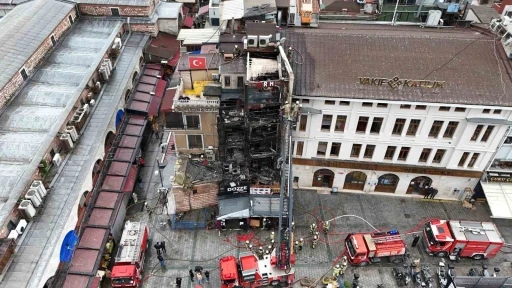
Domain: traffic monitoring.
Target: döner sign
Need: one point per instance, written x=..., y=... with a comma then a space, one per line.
x=396, y=82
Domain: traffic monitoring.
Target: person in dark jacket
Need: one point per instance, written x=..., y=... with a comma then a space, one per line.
x=158, y=247
x=433, y=194
x=191, y=273
x=428, y=192
x=161, y=259
x=207, y=276
x=162, y=246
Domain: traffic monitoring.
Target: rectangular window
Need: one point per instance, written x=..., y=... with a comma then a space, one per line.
x=376, y=125
x=341, y=120
x=305, y=101
x=303, y=122
x=460, y=109
x=463, y=159
x=477, y=132
x=382, y=105
x=413, y=127
x=368, y=152
x=438, y=157
x=450, y=129
x=240, y=81
x=195, y=141
x=421, y=107
x=497, y=111
x=399, y=126
x=330, y=102
x=335, y=149
x=227, y=81
x=404, y=152
x=473, y=159
x=436, y=128
x=367, y=104
x=425, y=154
x=322, y=148
x=24, y=74
x=326, y=122
x=356, y=150
x=361, y=124
x=344, y=103
x=115, y=12
x=444, y=108
x=193, y=121
x=300, y=148
x=486, y=111
x=487, y=133
x=70, y=18
x=390, y=153
x=54, y=42
x=405, y=106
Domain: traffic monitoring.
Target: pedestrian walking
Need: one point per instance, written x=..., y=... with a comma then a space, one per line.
x=158, y=247
x=162, y=246
x=199, y=278
x=301, y=243
x=142, y=163
x=156, y=134
x=207, y=276
x=434, y=193
x=191, y=275
x=162, y=261
x=427, y=193
x=178, y=282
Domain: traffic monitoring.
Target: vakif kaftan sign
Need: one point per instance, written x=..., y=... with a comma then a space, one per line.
x=396, y=82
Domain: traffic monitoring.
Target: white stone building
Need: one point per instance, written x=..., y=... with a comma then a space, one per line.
x=388, y=135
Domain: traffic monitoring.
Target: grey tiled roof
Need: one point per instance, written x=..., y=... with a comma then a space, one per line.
x=335, y=56
x=235, y=66
x=24, y=29
x=115, y=2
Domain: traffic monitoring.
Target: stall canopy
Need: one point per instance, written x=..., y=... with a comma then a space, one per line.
x=499, y=198
x=234, y=208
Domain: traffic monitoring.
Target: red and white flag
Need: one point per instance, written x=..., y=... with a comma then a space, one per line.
x=197, y=62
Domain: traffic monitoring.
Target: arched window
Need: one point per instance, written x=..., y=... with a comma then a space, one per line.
x=323, y=178
x=355, y=181
x=387, y=183
x=419, y=184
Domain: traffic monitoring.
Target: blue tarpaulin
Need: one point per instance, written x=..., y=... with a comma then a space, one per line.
x=68, y=246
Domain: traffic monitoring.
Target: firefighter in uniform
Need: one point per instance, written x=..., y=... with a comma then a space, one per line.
x=272, y=236
x=247, y=244
x=312, y=228
x=296, y=245
x=344, y=264
x=315, y=241
x=301, y=243
x=260, y=253
x=336, y=270
x=326, y=226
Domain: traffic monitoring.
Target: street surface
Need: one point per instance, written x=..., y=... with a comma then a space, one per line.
x=189, y=248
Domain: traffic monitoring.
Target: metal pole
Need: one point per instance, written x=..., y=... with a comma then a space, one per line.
x=160, y=173
x=419, y=9
x=393, y=23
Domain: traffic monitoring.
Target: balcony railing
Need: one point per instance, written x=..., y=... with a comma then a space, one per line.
x=198, y=102
x=196, y=105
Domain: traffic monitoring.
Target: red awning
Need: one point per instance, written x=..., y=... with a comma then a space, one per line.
x=156, y=99
x=168, y=100
x=189, y=22
x=184, y=9
x=174, y=60
x=76, y=281
x=203, y=10
x=160, y=88
x=130, y=180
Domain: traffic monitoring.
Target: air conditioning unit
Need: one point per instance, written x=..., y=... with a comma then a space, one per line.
x=252, y=41
x=210, y=158
x=27, y=208
x=71, y=130
x=118, y=41
x=104, y=73
x=39, y=186
x=108, y=64
x=97, y=86
x=216, y=77
x=92, y=102
x=22, y=225
x=209, y=152
x=265, y=40
x=86, y=108
x=495, y=23
x=35, y=192
x=506, y=20
x=66, y=141
x=33, y=196
x=183, y=50
x=13, y=235
x=57, y=160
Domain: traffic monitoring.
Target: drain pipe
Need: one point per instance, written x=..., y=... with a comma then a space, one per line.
x=394, y=13
x=129, y=27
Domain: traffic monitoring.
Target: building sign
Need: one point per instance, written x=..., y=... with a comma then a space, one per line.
x=236, y=188
x=266, y=84
x=396, y=82
x=499, y=179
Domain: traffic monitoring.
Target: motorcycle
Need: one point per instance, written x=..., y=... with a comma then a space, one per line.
x=451, y=270
x=416, y=275
x=485, y=271
x=496, y=272
x=428, y=281
x=472, y=272
x=442, y=273
x=399, y=276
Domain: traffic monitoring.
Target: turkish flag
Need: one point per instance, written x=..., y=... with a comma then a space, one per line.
x=197, y=62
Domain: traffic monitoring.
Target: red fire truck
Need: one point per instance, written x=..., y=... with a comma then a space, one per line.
x=251, y=272
x=129, y=262
x=477, y=240
x=365, y=248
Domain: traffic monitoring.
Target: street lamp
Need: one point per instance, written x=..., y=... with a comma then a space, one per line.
x=161, y=166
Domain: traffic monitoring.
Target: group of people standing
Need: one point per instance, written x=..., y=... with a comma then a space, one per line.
x=160, y=247
x=199, y=275
x=430, y=193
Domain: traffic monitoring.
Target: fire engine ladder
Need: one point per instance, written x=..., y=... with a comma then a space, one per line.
x=283, y=251
x=135, y=251
x=382, y=239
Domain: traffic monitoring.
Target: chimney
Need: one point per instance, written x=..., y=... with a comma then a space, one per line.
x=344, y=10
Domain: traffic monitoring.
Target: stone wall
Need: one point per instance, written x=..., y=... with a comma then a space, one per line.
x=104, y=10
x=205, y=195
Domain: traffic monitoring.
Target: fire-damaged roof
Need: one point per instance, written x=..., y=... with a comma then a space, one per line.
x=336, y=56
x=198, y=172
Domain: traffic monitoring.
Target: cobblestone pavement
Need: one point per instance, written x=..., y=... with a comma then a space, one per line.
x=187, y=249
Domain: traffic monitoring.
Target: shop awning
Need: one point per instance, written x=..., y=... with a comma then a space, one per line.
x=173, y=62
x=203, y=10
x=499, y=199
x=489, y=121
x=168, y=100
x=156, y=100
x=130, y=180
x=189, y=22
x=234, y=208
